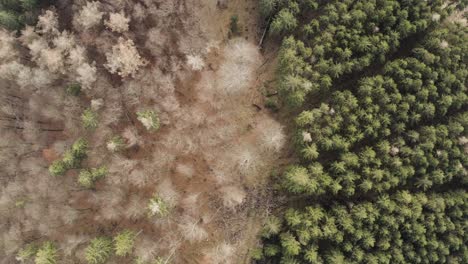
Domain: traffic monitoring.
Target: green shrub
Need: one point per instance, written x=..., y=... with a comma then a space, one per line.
x=124, y=242
x=79, y=148
x=89, y=118
x=27, y=253
x=85, y=179
x=267, y=7
x=29, y=4
x=157, y=207
x=115, y=144
x=234, y=26
x=271, y=250
x=98, y=250
x=88, y=177
x=291, y=247
x=46, y=254
x=272, y=103
x=256, y=254
x=298, y=180
x=15, y=14
x=159, y=260
x=9, y=20
x=72, y=158
x=271, y=227
x=149, y=119
x=20, y=203
x=57, y=168
x=73, y=89
x=284, y=22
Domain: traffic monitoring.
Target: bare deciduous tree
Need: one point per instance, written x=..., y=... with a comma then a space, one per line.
x=117, y=22
x=124, y=58
x=48, y=23
x=232, y=196
x=191, y=230
x=195, y=62
x=89, y=16
x=221, y=254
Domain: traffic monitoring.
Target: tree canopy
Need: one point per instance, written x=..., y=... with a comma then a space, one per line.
x=14, y=14
x=382, y=145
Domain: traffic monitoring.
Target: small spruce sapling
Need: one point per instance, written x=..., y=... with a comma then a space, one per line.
x=149, y=119
x=159, y=260
x=124, y=243
x=284, y=22
x=89, y=119
x=234, y=26
x=73, y=89
x=29, y=4
x=9, y=20
x=57, y=168
x=272, y=103
x=71, y=158
x=20, y=203
x=157, y=207
x=70, y=161
x=115, y=144
x=79, y=148
x=27, y=252
x=271, y=250
x=267, y=7
x=271, y=227
x=98, y=250
x=139, y=260
x=47, y=254
x=256, y=254
x=87, y=177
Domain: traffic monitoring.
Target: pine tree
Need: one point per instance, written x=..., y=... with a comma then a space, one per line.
x=98, y=250
x=88, y=177
x=46, y=254
x=124, y=242
x=89, y=118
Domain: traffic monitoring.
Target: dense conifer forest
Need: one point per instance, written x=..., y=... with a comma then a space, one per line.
x=379, y=88
x=15, y=14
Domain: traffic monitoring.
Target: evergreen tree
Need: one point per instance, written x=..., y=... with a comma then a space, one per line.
x=46, y=254
x=98, y=250
x=382, y=175
x=124, y=242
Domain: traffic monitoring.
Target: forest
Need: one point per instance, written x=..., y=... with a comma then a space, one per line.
x=233, y=131
x=379, y=92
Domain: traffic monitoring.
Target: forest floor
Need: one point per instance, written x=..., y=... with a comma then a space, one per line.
x=238, y=172
x=228, y=141
x=240, y=225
